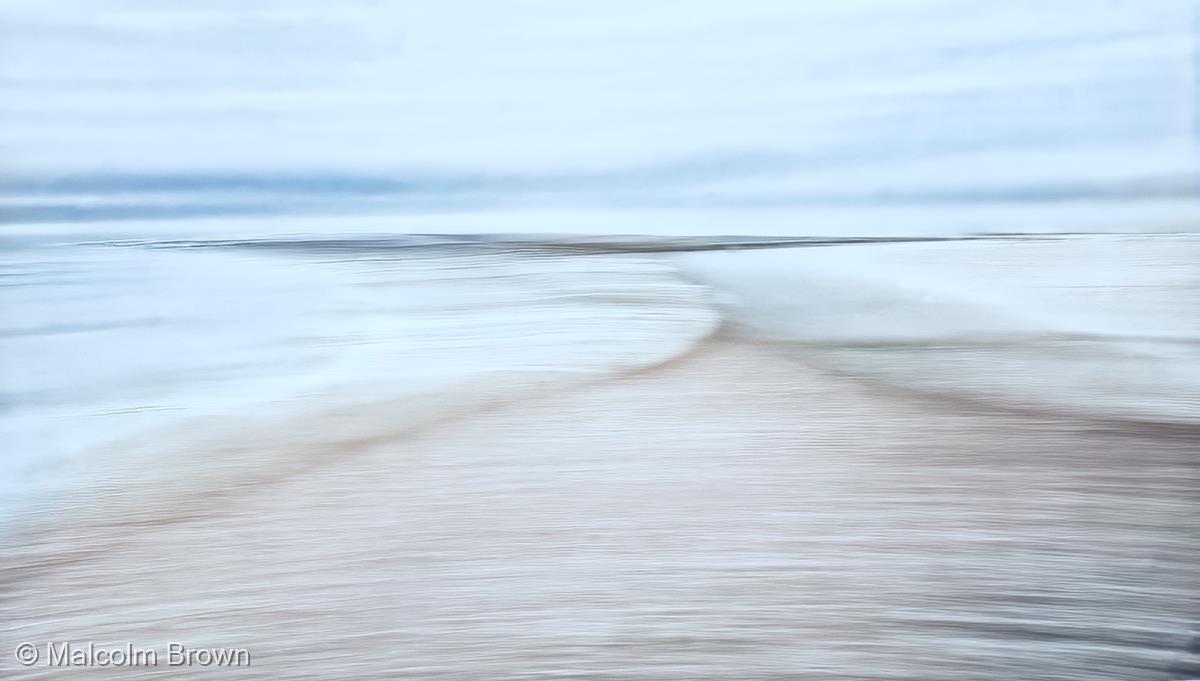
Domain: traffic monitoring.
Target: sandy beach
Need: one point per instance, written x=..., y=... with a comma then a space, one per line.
x=800, y=525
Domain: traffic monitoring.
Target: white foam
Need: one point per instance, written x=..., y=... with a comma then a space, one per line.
x=1099, y=324
x=231, y=345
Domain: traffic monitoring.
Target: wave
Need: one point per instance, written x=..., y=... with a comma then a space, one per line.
x=1091, y=325
x=358, y=341
x=326, y=358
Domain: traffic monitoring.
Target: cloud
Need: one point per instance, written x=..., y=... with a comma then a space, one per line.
x=550, y=87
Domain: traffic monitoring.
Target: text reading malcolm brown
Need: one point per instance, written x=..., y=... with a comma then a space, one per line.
x=66, y=654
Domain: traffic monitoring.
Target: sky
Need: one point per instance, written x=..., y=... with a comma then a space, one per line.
x=747, y=99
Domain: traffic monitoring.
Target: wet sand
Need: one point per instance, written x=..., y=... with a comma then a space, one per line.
x=731, y=514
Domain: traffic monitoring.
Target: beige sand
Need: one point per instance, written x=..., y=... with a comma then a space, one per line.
x=731, y=515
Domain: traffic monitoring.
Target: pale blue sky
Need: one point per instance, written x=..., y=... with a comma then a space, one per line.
x=786, y=94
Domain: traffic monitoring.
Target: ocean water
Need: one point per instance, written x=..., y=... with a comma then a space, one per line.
x=107, y=340
x=1100, y=325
